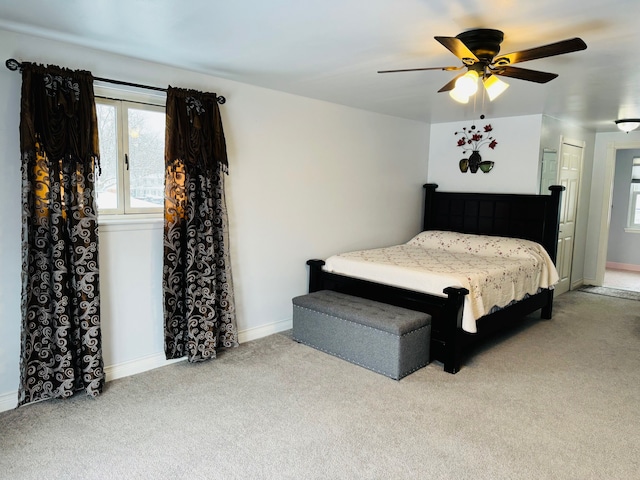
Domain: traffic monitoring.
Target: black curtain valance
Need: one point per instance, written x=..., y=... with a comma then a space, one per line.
x=197, y=141
x=58, y=113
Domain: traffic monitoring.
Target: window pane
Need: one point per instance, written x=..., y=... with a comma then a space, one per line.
x=146, y=158
x=107, y=181
x=635, y=170
x=635, y=204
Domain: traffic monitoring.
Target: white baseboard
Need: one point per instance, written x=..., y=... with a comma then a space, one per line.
x=264, y=330
x=9, y=401
x=577, y=284
x=157, y=360
x=138, y=365
x=623, y=266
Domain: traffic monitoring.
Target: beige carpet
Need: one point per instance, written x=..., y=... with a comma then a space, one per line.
x=555, y=399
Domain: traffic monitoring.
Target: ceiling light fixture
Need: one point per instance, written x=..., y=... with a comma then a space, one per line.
x=494, y=86
x=628, y=124
x=467, y=85
x=458, y=97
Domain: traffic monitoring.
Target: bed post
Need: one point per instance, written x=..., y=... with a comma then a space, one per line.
x=315, y=277
x=452, y=357
x=553, y=221
x=551, y=236
x=430, y=189
x=547, y=310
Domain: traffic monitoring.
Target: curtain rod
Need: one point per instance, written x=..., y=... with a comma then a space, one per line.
x=13, y=64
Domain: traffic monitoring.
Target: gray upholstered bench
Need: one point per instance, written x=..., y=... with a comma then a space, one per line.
x=389, y=340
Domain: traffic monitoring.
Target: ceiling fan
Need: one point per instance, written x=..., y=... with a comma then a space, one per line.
x=479, y=48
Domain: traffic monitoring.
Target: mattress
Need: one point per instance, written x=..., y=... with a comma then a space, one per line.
x=495, y=270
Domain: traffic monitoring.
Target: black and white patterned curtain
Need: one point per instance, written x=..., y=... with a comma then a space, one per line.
x=199, y=310
x=61, y=349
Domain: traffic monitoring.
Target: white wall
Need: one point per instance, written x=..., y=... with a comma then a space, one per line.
x=307, y=179
x=516, y=156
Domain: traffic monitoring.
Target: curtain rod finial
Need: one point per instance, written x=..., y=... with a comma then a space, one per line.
x=221, y=100
x=13, y=64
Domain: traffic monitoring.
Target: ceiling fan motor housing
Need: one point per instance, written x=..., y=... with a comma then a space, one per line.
x=483, y=42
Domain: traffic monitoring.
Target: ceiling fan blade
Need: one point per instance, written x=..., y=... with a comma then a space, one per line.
x=459, y=49
x=525, y=74
x=558, y=48
x=451, y=85
x=419, y=69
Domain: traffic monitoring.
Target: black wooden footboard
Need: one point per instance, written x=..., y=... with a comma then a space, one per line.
x=447, y=336
x=448, y=341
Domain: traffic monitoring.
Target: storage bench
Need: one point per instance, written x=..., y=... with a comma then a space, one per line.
x=389, y=340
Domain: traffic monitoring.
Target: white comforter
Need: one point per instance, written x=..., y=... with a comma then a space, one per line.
x=495, y=270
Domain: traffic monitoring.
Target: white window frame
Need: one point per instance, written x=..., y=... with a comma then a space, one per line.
x=141, y=100
x=634, y=196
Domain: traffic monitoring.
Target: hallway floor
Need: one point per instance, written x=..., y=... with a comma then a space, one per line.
x=622, y=279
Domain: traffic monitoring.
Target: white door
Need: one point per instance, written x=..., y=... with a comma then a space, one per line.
x=549, y=175
x=569, y=177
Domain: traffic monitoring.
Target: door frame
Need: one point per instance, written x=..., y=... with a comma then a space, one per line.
x=607, y=200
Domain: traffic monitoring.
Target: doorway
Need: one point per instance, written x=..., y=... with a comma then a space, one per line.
x=621, y=259
x=607, y=198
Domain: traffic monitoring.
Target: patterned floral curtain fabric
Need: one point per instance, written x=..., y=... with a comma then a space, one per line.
x=61, y=349
x=199, y=310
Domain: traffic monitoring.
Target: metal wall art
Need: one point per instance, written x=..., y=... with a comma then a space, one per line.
x=470, y=139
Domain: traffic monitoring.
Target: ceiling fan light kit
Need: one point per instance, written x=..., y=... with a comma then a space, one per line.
x=494, y=86
x=478, y=50
x=459, y=97
x=467, y=86
x=628, y=124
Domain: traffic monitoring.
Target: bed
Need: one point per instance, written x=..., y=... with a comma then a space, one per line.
x=532, y=218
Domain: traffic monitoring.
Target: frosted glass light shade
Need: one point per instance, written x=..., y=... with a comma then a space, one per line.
x=468, y=83
x=494, y=86
x=628, y=124
x=459, y=97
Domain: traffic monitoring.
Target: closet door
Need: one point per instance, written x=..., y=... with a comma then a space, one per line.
x=569, y=176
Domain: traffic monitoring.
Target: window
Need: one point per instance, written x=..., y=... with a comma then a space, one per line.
x=634, y=199
x=131, y=156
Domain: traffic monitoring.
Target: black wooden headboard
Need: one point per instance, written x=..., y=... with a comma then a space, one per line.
x=532, y=217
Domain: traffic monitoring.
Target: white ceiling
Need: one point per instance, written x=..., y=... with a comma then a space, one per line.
x=332, y=49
